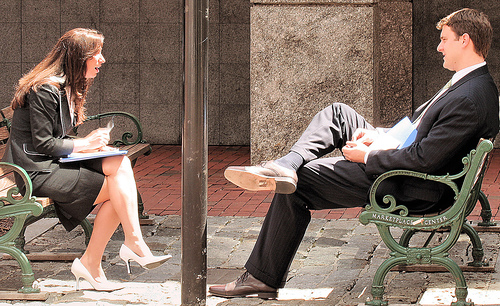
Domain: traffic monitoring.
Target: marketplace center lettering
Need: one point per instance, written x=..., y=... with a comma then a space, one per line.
x=398, y=220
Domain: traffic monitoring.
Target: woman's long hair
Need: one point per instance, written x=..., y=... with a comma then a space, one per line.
x=67, y=60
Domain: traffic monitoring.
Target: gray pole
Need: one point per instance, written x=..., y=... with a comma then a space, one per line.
x=194, y=155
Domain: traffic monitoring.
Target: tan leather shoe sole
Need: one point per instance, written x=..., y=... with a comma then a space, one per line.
x=243, y=178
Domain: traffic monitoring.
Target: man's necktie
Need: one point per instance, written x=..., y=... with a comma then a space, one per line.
x=447, y=85
x=431, y=101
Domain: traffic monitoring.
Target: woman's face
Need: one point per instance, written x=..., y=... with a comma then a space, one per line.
x=93, y=64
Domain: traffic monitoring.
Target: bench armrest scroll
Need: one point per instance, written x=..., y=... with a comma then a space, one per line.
x=127, y=138
x=10, y=194
x=12, y=204
x=389, y=199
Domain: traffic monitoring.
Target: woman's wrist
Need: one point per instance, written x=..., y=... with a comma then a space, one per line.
x=80, y=144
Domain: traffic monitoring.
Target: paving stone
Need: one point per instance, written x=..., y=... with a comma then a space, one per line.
x=219, y=249
x=320, y=256
x=327, y=241
x=339, y=257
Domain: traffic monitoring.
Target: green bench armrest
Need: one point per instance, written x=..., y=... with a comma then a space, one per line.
x=12, y=204
x=126, y=138
x=392, y=214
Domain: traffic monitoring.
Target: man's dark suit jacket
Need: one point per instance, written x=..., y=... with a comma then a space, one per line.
x=451, y=127
x=39, y=130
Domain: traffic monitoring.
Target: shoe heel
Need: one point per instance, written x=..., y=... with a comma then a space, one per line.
x=268, y=295
x=285, y=185
x=79, y=271
x=125, y=256
x=127, y=263
x=147, y=262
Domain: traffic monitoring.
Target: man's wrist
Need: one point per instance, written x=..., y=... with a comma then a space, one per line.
x=366, y=156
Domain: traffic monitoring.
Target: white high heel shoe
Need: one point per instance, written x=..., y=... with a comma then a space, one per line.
x=147, y=262
x=79, y=271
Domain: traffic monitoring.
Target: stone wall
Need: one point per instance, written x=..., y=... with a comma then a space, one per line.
x=306, y=55
x=377, y=55
x=143, y=48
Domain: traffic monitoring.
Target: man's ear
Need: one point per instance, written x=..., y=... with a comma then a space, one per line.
x=465, y=38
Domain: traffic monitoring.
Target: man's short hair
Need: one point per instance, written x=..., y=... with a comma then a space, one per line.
x=474, y=23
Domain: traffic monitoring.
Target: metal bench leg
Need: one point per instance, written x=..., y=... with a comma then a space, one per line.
x=485, y=210
x=87, y=229
x=27, y=277
x=20, y=241
x=140, y=204
x=406, y=236
x=461, y=286
x=378, y=281
x=477, y=246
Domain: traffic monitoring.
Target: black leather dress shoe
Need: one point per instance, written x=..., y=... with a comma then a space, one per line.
x=267, y=176
x=245, y=286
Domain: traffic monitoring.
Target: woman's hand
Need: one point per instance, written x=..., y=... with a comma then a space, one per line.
x=96, y=140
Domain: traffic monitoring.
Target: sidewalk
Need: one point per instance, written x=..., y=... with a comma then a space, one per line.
x=334, y=265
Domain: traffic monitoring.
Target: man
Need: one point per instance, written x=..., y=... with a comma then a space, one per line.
x=448, y=127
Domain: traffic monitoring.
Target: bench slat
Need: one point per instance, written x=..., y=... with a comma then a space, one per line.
x=134, y=151
x=44, y=201
x=7, y=112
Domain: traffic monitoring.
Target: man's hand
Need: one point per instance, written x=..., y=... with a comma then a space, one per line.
x=365, y=136
x=355, y=151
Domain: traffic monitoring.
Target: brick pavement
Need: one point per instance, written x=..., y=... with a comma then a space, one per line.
x=159, y=181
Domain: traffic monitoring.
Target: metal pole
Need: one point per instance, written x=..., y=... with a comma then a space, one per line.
x=194, y=155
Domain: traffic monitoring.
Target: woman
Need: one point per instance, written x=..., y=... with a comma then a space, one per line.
x=48, y=102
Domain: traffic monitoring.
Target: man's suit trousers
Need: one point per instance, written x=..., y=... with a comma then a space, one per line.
x=323, y=183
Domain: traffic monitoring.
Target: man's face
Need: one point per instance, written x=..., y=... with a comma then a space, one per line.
x=451, y=48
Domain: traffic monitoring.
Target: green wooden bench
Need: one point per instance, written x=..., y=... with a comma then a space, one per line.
x=390, y=214
x=27, y=209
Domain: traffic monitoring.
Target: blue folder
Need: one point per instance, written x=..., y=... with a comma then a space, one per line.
x=404, y=132
x=84, y=156
x=409, y=140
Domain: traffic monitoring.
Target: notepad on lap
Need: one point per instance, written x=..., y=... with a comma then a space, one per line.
x=399, y=136
x=84, y=156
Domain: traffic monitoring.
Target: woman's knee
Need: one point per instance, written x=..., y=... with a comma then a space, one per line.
x=114, y=164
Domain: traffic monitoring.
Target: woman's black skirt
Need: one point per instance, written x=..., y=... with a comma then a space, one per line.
x=73, y=187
